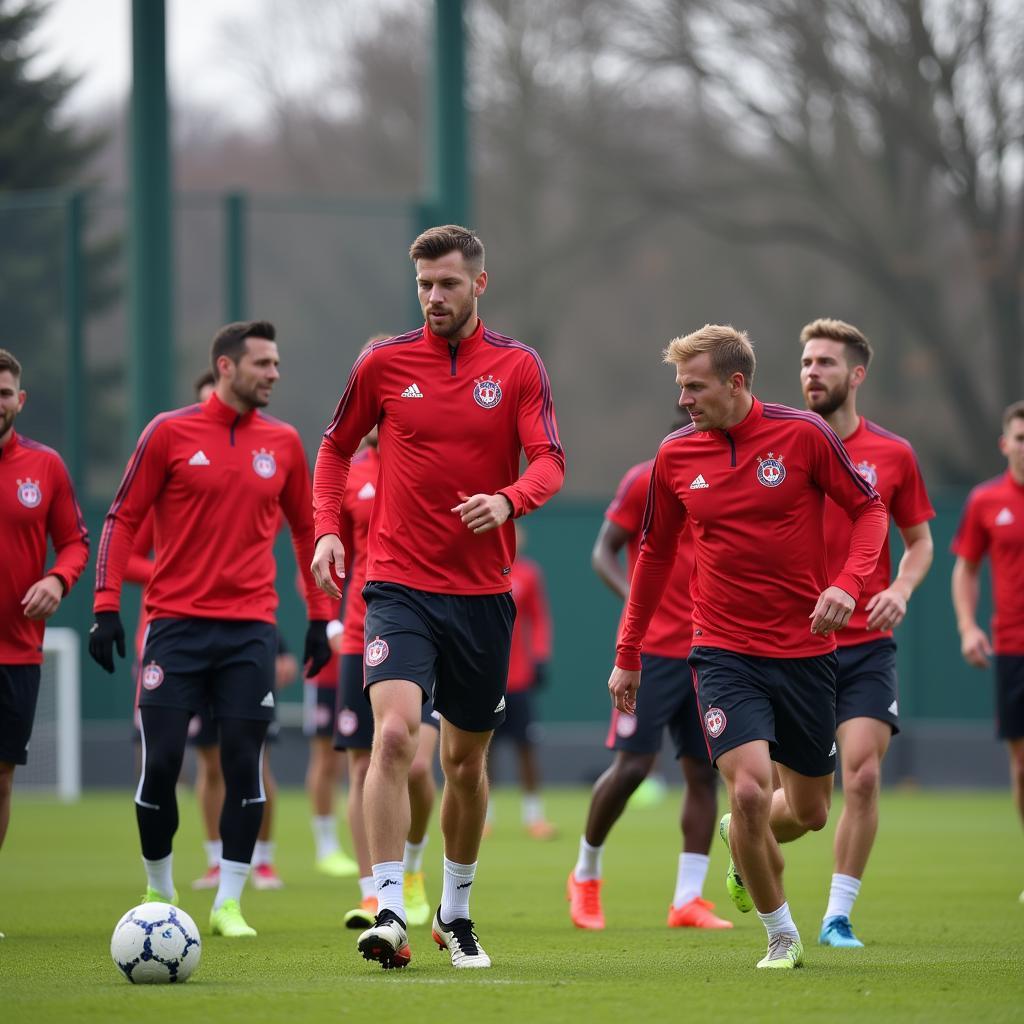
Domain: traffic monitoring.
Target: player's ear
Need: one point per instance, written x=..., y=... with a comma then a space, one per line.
x=480, y=284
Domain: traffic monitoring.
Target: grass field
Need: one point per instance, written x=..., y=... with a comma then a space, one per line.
x=939, y=913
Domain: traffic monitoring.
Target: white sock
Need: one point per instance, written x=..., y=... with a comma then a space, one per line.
x=779, y=922
x=693, y=869
x=841, y=896
x=387, y=883
x=213, y=849
x=233, y=874
x=533, y=808
x=458, y=881
x=263, y=852
x=159, y=876
x=325, y=835
x=588, y=865
x=414, y=856
x=367, y=887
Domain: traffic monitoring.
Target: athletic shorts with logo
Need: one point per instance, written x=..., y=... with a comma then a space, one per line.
x=19, y=692
x=1010, y=696
x=790, y=702
x=226, y=666
x=353, y=716
x=454, y=647
x=866, y=683
x=665, y=700
x=520, y=726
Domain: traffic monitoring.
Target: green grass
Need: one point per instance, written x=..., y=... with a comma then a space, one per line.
x=939, y=913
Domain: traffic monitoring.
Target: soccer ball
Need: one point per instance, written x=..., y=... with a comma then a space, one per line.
x=155, y=943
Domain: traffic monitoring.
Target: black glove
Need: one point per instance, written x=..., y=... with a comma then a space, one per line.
x=540, y=675
x=317, y=651
x=106, y=633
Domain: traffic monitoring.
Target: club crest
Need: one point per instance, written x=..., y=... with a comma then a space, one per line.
x=487, y=391
x=770, y=471
x=152, y=676
x=263, y=463
x=868, y=471
x=715, y=722
x=348, y=722
x=29, y=493
x=377, y=650
x=625, y=725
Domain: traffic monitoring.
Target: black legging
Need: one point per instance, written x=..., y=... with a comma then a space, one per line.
x=164, y=733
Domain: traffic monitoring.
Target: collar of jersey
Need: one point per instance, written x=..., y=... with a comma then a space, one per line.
x=749, y=422
x=223, y=413
x=467, y=343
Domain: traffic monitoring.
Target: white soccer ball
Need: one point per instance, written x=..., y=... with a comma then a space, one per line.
x=156, y=943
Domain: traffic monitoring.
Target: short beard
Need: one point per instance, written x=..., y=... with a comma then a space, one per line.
x=457, y=325
x=833, y=401
x=250, y=398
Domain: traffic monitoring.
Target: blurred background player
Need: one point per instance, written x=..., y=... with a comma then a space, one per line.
x=37, y=501
x=833, y=367
x=527, y=673
x=667, y=701
x=217, y=477
x=993, y=524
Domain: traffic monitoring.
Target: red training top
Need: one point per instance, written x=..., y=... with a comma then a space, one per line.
x=668, y=634
x=360, y=490
x=531, y=635
x=217, y=482
x=993, y=524
x=37, y=500
x=755, y=496
x=888, y=463
x=452, y=421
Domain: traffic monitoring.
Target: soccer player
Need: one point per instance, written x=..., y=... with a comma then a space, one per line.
x=751, y=480
x=993, y=525
x=37, y=501
x=668, y=700
x=833, y=367
x=218, y=476
x=456, y=406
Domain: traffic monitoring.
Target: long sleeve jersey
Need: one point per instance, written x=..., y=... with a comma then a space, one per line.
x=533, y=631
x=453, y=421
x=217, y=482
x=755, y=497
x=37, y=500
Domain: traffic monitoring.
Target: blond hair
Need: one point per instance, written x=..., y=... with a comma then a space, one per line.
x=858, y=348
x=731, y=351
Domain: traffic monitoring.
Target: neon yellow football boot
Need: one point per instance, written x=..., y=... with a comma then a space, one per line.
x=417, y=910
x=733, y=883
x=785, y=952
x=227, y=920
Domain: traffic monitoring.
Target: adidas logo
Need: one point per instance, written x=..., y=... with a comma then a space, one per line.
x=501, y=706
x=366, y=492
x=892, y=708
x=412, y=391
x=268, y=701
x=1005, y=517
x=199, y=459
x=833, y=750
x=699, y=483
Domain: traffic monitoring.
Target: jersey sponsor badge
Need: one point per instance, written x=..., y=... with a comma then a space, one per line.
x=377, y=650
x=348, y=722
x=715, y=722
x=152, y=676
x=264, y=464
x=770, y=471
x=625, y=725
x=869, y=471
x=29, y=493
x=487, y=391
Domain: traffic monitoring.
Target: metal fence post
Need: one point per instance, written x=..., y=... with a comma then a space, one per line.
x=236, y=266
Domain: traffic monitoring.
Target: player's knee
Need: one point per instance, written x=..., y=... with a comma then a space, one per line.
x=750, y=798
x=419, y=771
x=394, y=743
x=860, y=785
x=701, y=780
x=464, y=769
x=813, y=817
x=629, y=772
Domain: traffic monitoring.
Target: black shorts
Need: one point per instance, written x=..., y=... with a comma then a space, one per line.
x=1010, y=696
x=454, y=647
x=520, y=726
x=353, y=716
x=666, y=699
x=790, y=702
x=226, y=666
x=866, y=683
x=19, y=692
x=318, y=709
x=202, y=729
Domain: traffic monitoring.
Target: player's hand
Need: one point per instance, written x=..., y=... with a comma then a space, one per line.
x=975, y=647
x=335, y=635
x=886, y=609
x=483, y=512
x=106, y=634
x=622, y=686
x=329, y=564
x=43, y=598
x=317, y=651
x=286, y=668
x=832, y=611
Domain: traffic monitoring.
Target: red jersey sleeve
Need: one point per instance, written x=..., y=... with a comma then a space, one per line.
x=140, y=565
x=971, y=540
x=627, y=507
x=834, y=472
x=141, y=484
x=910, y=503
x=664, y=520
x=357, y=412
x=538, y=617
x=538, y=434
x=67, y=530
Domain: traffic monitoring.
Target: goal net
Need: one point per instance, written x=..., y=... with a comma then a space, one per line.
x=54, y=754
